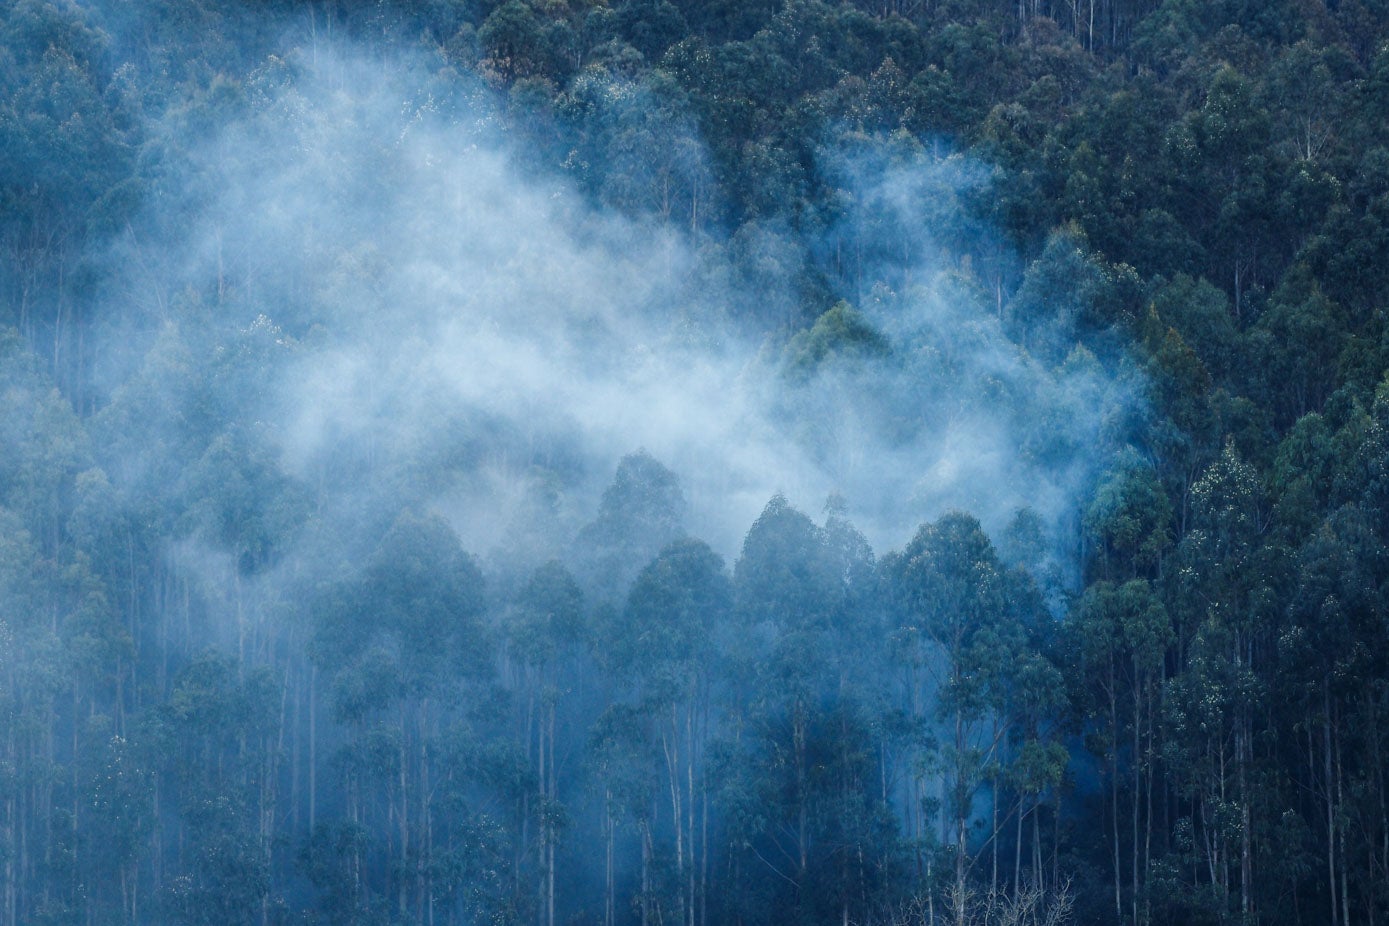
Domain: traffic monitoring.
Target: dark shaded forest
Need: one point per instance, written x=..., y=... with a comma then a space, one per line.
x=665, y=462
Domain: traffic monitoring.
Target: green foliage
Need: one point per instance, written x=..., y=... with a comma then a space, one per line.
x=841, y=334
x=677, y=606
x=550, y=614
x=1068, y=292
x=407, y=625
x=640, y=513
x=1131, y=519
x=785, y=576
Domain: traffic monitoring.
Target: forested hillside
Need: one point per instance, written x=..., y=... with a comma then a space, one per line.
x=671, y=462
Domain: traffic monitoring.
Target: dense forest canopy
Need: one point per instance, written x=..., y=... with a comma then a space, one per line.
x=732, y=462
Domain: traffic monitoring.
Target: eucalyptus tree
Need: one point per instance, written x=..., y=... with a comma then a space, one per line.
x=666, y=648
x=804, y=766
x=1220, y=606
x=641, y=511
x=786, y=588
x=399, y=641
x=1119, y=634
x=1332, y=673
x=949, y=595
x=544, y=637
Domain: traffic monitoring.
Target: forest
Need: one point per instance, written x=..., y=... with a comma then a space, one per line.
x=694, y=462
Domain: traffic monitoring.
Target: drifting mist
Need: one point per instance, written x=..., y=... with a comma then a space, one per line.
x=427, y=295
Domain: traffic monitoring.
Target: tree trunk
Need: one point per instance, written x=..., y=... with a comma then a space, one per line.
x=424, y=900
x=313, y=746
x=645, y=873
x=1114, y=787
x=1017, y=848
x=552, y=798
x=403, y=815
x=609, y=827
x=1330, y=810
x=961, y=811
x=1137, y=785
